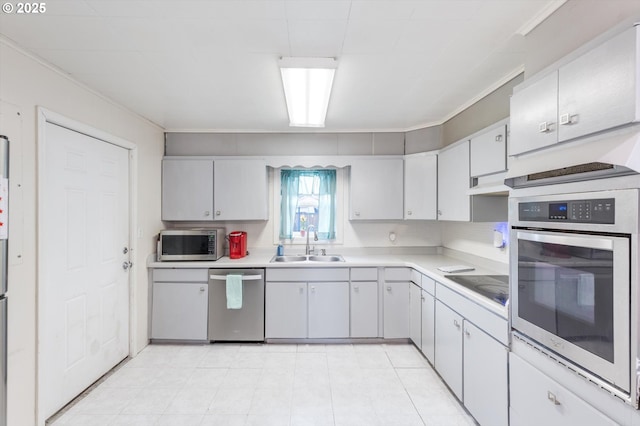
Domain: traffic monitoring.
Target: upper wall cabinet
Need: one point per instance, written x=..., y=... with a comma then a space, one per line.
x=187, y=189
x=453, y=183
x=207, y=190
x=489, y=151
x=240, y=190
x=594, y=92
x=420, y=186
x=376, y=189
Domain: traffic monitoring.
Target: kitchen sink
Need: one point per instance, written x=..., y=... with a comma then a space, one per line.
x=305, y=258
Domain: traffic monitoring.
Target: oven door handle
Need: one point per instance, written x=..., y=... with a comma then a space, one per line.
x=593, y=242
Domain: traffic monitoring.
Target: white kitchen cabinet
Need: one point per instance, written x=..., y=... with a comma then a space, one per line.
x=428, y=317
x=488, y=150
x=453, y=183
x=396, y=314
x=364, y=303
x=599, y=89
x=420, y=186
x=208, y=190
x=448, y=352
x=485, y=372
x=377, y=189
x=179, y=310
x=415, y=314
x=187, y=189
x=536, y=399
x=328, y=309
x=240, y=190
x=596, y=91
x=286, y=310
x=534, y=115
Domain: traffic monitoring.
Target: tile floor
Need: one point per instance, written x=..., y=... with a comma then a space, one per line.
x=288, y=385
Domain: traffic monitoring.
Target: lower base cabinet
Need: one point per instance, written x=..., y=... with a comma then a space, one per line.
x=428, y=330
x=536, y=399
x=179, y=311
x=448, y=352
x=485, y=373
x=286, y=310
x=415, y=314
x=396, y=314
x=300, y=310
x=364, y=309
x=474, y=366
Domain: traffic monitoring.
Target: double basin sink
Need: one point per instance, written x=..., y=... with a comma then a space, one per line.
x=306, y=258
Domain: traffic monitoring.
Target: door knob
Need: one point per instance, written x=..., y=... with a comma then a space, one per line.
x=126, y=265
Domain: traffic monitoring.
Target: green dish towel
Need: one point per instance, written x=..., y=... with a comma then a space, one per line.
x=234, y=291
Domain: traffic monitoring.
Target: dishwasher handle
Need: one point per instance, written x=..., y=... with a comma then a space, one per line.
x=244, y=277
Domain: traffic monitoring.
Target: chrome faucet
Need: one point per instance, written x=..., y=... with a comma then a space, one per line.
x=307, y=250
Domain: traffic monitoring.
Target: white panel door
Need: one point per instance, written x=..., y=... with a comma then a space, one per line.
x=328, y=310
x=420, y=187
x=83, y=285
x=240, y=190
x=453, y=183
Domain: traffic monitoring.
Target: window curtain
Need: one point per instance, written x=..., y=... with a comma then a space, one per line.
x=290, y=188
x=289, y=182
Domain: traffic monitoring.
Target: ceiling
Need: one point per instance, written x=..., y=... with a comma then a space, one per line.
x=212, y=65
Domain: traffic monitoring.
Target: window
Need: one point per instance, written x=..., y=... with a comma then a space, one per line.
x=308, y=199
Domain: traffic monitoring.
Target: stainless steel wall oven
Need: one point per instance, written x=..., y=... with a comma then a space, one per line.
x=574, y=278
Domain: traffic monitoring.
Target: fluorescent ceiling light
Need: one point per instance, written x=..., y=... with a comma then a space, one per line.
x=307, y=86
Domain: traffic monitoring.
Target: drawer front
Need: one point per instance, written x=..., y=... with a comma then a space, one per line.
x=364, y=274
x=397, y=274
x=181, y=275
x=485, y=320
x=307, y=274
x=429, y=285
x=536, y=399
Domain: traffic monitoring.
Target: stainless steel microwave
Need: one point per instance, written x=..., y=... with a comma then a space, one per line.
x=191, y=244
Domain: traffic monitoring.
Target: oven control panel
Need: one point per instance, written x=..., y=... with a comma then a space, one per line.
x=574, y=211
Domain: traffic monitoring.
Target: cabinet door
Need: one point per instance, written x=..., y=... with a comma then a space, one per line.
x=534, y=116
x=448, y=352
x=453, y=183
x=485, y=377
x=489, y=152
x=597, y=91
x=415, y=314
x=187, y=189
x=240, y=190
x=286, y=310
x=396, y=312
x=376, y=189
x=364, y=309
x=328, y=310
x=179, y=311
x=536, y=399
x=420, y=187
x=428, y=325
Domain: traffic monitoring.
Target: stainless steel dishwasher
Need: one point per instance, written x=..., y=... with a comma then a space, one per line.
x=244, y=324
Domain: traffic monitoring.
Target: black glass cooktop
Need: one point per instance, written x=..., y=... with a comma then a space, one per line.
x=494, y=287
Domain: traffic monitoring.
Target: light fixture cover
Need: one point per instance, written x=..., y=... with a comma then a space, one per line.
x=307, y=86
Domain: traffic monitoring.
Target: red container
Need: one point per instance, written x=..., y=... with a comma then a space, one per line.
x=237, y=244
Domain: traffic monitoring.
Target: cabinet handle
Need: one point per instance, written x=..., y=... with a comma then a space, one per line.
x=202, y=289
x=551, y=397
x=409, y=212
x=389, y=289
x=207, y=213
x=568, y=119
x=423, y=298
x=218, y=212
x=499, y=138
x=356, y=288
x=545, y=126
x=301, y=290
x=357, y=213
x=466, y=333
x=456, y=323
x=313, y=289
x=439, y=212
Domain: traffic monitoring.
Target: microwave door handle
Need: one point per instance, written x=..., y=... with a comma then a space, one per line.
x=570, y=240
x=244, y=277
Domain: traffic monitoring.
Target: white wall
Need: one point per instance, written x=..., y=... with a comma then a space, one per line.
x=475, y=238
x=26, y=83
